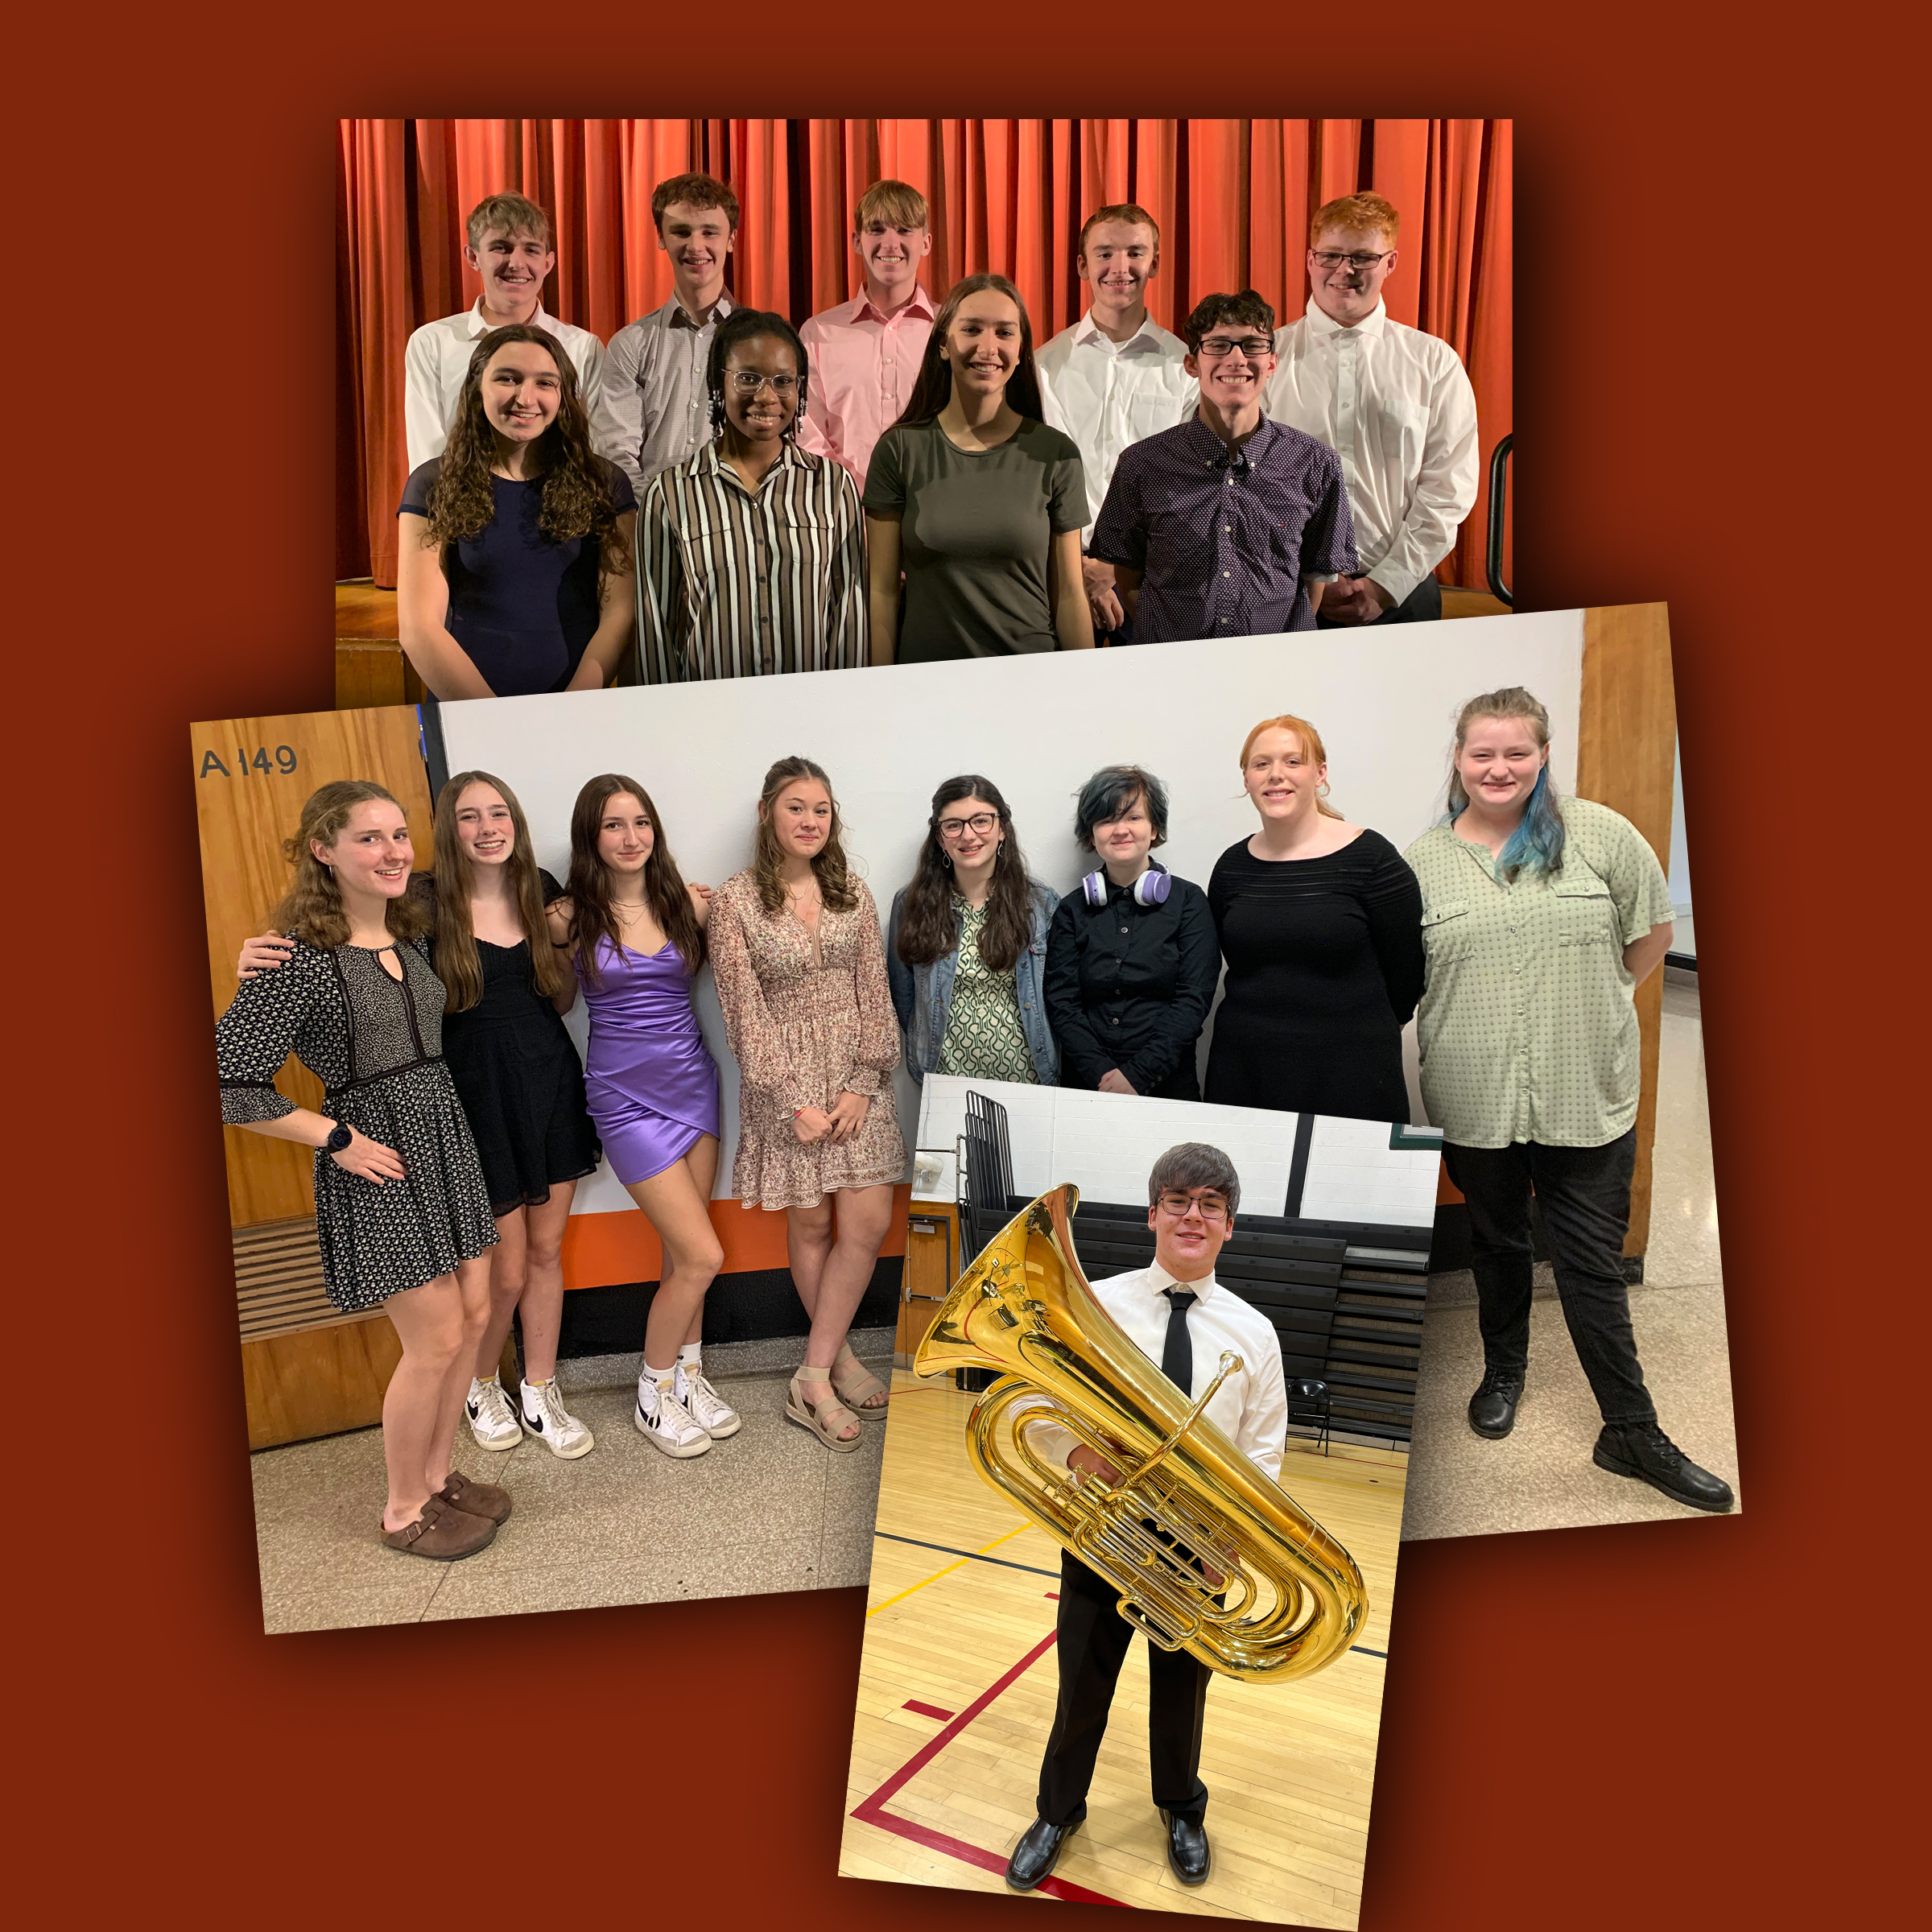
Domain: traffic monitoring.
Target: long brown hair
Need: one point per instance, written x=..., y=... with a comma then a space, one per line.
x=457, y=965
x=593, y=915
x=1312, y=750
x=574, y=480
x=929, y=927
x=829, y=866
x=933, y=390
x=311, y=909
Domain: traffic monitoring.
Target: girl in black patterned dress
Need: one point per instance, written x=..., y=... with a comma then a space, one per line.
x=521, y=1085
x=403, y=1217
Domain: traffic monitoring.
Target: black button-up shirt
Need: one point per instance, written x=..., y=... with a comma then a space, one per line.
x=1128, y=986
x=1222, y=537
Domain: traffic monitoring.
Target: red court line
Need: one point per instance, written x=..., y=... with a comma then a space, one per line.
x=928, y=1709
x=873, y=1811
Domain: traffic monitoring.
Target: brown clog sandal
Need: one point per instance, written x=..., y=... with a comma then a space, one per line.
x=476, y=1499
x=442, y=1534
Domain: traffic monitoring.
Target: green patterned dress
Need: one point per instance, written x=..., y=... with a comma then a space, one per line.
x=983, y=1040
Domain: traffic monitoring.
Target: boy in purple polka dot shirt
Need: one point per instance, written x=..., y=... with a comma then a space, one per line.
x=1229, y=524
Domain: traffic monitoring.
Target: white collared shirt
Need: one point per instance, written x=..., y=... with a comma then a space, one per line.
x=655, y=406
x=437, y=359
x=1250, y=1408
x=1395, y=406
x=1107, y=395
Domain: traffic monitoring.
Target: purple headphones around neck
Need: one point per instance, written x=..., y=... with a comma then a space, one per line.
x=1150, y=889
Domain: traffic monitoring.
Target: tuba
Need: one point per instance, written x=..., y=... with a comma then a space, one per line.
x=1187, y=1505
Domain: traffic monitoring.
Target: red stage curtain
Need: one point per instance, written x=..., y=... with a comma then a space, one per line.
x=1232, y=198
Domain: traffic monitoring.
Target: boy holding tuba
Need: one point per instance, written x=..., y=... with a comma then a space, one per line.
x=1179, y=1316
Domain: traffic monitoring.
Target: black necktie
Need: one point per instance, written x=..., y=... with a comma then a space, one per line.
x=1177, y=1351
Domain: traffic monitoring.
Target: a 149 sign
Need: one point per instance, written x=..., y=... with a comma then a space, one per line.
x=262, y=760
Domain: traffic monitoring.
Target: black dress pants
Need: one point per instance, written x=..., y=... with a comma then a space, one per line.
x=1093, y=1644
x=1584, y=1193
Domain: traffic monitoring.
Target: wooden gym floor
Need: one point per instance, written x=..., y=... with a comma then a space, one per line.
x=957, y=1687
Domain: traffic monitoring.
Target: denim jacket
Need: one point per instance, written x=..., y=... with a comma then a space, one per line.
x=923, y=994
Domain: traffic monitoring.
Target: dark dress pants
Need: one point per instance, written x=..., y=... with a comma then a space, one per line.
x=1584, y=1193
x=1422, y=606
x=1093, y=1643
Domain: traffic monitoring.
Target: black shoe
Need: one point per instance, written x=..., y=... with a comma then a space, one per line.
x=1650, y=1455
x=1188, y=1855
x=1493, y=1408
x=1037, y=1853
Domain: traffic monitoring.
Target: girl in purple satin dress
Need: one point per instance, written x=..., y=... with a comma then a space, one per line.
x=635, y=933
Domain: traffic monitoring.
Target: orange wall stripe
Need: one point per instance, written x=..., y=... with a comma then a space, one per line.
x=599, y=1249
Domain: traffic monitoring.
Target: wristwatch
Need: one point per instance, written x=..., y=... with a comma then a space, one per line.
x=339, y=1139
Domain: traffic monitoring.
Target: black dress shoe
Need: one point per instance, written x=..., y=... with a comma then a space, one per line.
x=1037, y=1853
x=1493, y=1408
x=1188, y=1857
x=1650, y=1455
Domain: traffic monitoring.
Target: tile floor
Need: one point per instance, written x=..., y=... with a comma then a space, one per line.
x=1540, y=1476
x=767, y=1509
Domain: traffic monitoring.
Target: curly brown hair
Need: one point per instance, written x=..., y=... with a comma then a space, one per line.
x=593, y=919
x=457, y=962
x=311, y=910
x=836, y=885
x=575, y=481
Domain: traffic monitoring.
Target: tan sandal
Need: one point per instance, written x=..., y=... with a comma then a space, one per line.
x=826, y=1422
x=860, y=1383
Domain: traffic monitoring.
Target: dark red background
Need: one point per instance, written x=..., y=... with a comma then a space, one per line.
x=1663, y=1725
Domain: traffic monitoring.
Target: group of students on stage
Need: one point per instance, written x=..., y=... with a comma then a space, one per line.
x=720, y=494
x=460, y=1117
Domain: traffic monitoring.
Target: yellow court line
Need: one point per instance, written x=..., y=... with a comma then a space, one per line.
x=948, y=1571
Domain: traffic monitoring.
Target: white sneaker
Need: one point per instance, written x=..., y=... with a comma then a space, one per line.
x=705, y=1406
x=546, y=1417
x=491, y=1421
x=665, y=1422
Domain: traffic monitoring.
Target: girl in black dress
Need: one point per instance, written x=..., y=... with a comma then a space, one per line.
x=1320, y=923
x=514, y=557
x=521, y=1085
x=1131, y=960
x=402, y=1218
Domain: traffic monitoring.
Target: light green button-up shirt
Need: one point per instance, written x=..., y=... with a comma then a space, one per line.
x=1527, y=1027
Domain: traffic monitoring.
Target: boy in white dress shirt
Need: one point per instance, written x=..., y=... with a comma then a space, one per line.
x=508, y=243
x=1394, y=402
x=1179, y=1315
x=1114, y=377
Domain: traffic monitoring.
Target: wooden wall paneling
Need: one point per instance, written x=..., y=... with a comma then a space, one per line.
x=1625, y=755
x=318, y=1381
x=242, y=816
x=932, y=1263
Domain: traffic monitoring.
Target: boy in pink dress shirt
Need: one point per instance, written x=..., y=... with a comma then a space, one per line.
x=865, y=353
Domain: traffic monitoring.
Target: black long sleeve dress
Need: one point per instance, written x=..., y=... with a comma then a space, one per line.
x=1128, y=987
x=1324, y=967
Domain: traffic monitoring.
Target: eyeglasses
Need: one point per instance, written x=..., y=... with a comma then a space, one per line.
x=1252, y=347
x=980, y=823
x=748, y=381
x=1211, y=1208
x=1332, y=259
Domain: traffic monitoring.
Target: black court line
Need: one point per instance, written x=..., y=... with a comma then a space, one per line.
x=974, y=1556
x=971, y=1555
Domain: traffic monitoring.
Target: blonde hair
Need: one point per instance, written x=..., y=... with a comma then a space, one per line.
x=1312, y=749
x=897, y=203
x=311, y=909
x=1536, y=844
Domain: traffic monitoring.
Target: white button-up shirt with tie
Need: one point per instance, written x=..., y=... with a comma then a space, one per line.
x=1395, y=406
x=436, y=359
x=1250, y=1408
x=1107, y=395
x=653, y=408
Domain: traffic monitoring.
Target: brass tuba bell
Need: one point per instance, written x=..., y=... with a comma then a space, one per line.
x=1185, y=1498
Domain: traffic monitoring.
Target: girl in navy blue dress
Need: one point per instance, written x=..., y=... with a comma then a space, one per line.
x=514, y=557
